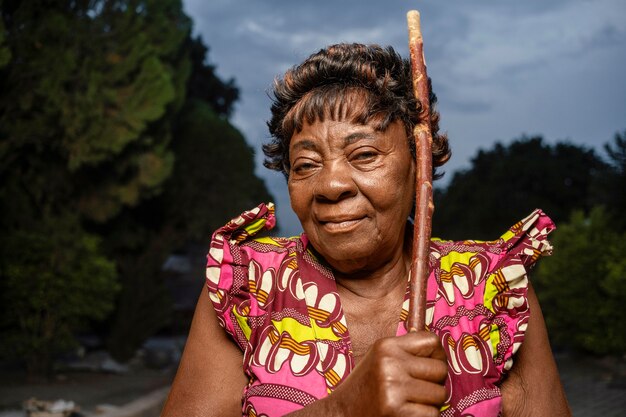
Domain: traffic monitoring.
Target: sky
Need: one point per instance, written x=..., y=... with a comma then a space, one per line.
x=501, y=69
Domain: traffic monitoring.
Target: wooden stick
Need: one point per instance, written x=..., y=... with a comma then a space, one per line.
x=423, y=180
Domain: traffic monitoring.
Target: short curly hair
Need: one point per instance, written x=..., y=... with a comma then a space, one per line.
x=329, y=83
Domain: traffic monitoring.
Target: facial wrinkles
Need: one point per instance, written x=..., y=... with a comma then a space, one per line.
x=374, y=188
x=335, y=144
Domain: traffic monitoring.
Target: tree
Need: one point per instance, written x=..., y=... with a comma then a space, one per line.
x=204, y=84
x=617, y=152
x=213, y=178
x=609, y=188
x=55, y=279
x=91, y=99
x=88, y=94
x=5, y=52
x=582, y=287
x=85, y=82
x=506, y=183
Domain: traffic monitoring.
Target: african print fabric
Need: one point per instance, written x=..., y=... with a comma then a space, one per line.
x=280, y=305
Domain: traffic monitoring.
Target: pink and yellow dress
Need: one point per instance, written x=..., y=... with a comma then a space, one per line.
x=280, y=305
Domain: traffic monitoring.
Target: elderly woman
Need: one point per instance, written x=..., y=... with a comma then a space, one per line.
x=314, y=325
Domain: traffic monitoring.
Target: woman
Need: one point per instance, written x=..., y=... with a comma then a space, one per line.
x=318, y=320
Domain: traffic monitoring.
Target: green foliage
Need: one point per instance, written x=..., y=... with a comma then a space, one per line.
x=582, y=287
x=617, y=152
x=205, y=85
x=143, y=305
x=55, y=280
x=214, y=176
x=506, y=183
x=5, y=52
x=89, y=97
x=91, y=124
x=84, y=87
x=609, y=188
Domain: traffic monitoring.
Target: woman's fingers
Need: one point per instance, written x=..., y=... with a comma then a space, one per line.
x=420, y=354
x=418, y=410
x=427, y=393
x=423, y=343
x=410, y=368
x=427, y=369
x=415, y=379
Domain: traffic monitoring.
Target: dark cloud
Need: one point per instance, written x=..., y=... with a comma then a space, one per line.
x=466, y=106
x=607, y=36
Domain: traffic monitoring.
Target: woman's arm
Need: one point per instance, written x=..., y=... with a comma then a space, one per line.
x=533, y=387
x=210, y=379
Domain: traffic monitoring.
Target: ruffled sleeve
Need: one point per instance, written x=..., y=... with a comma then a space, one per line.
x=478, y=306
x=228, y=265
x=506, y=287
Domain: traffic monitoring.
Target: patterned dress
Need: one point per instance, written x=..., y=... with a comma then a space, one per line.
x=280, y=305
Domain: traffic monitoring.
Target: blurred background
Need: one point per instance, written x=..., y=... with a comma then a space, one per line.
x=130, y=130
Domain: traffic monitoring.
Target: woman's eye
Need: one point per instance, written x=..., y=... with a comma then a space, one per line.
x=303, y=167
x=365, y=156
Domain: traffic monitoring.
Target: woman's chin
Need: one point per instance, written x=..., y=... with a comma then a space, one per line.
x=350, y=247
x=351, y=256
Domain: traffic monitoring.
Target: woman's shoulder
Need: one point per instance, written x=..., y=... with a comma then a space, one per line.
x=245, y=233
x=237, y=261
x=480, y=288
x=526, y=240
x=244, y=228
x=240, y=243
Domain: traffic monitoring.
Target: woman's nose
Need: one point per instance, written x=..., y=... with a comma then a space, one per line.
x=334, y=182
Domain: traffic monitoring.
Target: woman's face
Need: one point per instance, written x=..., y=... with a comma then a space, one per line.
x=352, y=188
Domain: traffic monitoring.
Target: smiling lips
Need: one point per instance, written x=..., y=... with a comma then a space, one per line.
x=341, y=224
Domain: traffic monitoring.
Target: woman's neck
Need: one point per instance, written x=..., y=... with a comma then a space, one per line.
x=389, y=279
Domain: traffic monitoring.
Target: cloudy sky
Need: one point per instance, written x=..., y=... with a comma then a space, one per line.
x=501, y=69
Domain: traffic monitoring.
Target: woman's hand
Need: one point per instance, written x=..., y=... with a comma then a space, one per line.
x=398, y=376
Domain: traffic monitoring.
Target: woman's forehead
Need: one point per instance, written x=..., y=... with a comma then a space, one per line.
x=336, y=103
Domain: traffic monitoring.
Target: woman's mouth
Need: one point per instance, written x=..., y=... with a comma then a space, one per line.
x=341, y=225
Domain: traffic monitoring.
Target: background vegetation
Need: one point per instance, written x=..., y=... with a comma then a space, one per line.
x=116, y=150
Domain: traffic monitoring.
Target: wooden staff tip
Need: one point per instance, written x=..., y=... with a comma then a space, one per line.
x=413, y=21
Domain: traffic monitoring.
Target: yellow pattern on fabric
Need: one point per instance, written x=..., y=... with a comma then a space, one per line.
x=469, y=273
x=324, y=333
x=455, y=257
x=507, y=235
x=494, y=339
x=243, y=323
x=254, y=227
x=301, y=333
x=491, y=291
x=268, y=241
x=332, y=377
